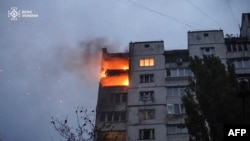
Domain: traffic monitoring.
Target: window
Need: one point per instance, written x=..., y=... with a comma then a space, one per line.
x=146, y=78
x=175, y=91
x=103, y=117
x=147, y=96
x=146, y=114
x=208, y=51
x=146, y=45
x=113, y=116
x=146, y=134
x=124, y=97
x=145, y=62
x=242, y=63
x=177, y=129
x=205, y=34
x=175, y=109
x=114, y=98
x=235, y=47
x=178, y=72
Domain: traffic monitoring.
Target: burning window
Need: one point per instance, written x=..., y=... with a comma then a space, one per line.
x=145, y=62
x=114, y=71
x=112, y=136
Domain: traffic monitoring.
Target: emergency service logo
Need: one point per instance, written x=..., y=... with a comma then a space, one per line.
x=14, y=14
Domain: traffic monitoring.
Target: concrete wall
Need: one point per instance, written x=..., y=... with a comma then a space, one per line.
x=204, y=39
x=138, y=50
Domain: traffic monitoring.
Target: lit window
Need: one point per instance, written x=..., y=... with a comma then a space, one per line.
x=146, y=114
x=146, y=134
x=145, y=62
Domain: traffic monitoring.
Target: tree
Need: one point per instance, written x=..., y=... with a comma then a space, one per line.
x=85, y=130
x=85, y=126
x=211, y=100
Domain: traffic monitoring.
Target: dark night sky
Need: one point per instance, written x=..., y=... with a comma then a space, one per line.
x=49, y=64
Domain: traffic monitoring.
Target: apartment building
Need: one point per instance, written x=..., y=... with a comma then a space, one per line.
x=140, y=91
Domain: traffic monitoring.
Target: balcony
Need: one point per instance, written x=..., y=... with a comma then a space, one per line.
x=238, y=54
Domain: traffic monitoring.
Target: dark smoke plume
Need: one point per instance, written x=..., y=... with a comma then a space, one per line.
x=85, y=59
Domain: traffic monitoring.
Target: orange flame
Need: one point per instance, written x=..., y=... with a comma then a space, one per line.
x=116, y=79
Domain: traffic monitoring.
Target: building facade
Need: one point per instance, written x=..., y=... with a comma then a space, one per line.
x=140, y=91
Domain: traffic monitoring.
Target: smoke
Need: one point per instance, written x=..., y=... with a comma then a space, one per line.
x=84, y=60
x=39, y=81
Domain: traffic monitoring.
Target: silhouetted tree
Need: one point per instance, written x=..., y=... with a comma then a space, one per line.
x=211, y=100
x=85, y=126
x=85, y=130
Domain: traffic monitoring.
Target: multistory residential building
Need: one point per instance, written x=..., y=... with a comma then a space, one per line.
x=140, y=91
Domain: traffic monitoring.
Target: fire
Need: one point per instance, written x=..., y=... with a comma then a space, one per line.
x=121, y=80
x=115, y=72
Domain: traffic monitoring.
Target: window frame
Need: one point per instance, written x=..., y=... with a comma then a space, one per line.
x=146, y=96
x=115, y=116
x=207, y=51
x=177, y=129
x=241, y=63
x=147, y=78
x=175, y=91
x=146, y=114
x=176, y=109
x=146, y=62
x=150, y=134
x=176, y=72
